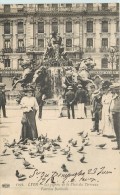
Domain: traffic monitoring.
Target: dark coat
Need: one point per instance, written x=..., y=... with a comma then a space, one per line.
x=81, y=96
x=2, y=98
x=70, y=97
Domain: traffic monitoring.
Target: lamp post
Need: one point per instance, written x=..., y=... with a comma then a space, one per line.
x=112, y=55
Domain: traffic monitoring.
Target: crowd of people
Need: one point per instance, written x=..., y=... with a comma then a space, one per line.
x=104, y=103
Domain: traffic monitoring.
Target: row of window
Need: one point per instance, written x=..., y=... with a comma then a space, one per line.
x=104, y=63
x=89, y=43
x=89, y=6
x=89, y=27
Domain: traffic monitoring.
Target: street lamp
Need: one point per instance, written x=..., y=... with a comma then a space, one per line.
x=112, y=55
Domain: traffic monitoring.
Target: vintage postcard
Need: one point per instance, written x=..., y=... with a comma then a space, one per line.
x=59, y=97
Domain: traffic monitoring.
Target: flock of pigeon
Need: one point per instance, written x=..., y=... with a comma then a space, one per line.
x=42, y=146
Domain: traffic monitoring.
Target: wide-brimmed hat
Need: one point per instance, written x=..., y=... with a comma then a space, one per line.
x=70, y=87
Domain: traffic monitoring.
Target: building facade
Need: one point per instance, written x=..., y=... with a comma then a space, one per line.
x=87, y=30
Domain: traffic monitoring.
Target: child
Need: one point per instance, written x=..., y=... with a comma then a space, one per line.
x=97, y=107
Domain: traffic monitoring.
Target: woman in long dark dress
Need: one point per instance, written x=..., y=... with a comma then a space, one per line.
x=29, y=106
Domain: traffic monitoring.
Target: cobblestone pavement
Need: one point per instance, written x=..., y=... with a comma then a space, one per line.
x=101, y=164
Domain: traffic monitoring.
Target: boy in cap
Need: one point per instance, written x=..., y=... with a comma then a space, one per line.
x=70, y=100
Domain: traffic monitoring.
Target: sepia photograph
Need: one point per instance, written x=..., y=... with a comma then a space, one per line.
x=59, y=97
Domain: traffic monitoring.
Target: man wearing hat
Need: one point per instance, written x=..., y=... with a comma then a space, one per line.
x=2, y=99
x=116, y=115
x=70, y=101
x=81, y=99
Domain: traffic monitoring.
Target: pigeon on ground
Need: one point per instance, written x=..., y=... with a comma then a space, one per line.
x=69, y=141
x=66, y=150
x=74, y=143
x=87, y=143
x=81, y=133
x=4, y=152
x=81, y=149
x=42, y=158
x=85, y=136
x=59, y=139
x=82, y=160
x=30, y=167
x=12, y=144
x=64, y=168
x=55, y=144
x=26, y=163
x=69, y=156
x=17, y=154
x=20, y=177
x=23, y=147
x=101, y=146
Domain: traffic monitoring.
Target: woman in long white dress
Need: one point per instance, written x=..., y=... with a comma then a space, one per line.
x=29, y=106
x=107, y=127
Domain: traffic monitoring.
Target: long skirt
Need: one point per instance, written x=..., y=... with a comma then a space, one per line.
x=107, y=126
x=29, y=128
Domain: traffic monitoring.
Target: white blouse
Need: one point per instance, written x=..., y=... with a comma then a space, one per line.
x=29, y=103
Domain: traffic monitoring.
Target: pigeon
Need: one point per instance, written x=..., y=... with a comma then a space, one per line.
x=12, y=144
x=101, y=145
x=26, y=163
x=69, y=156
x=86, y=143
x=59, y=139
x=81, y=133
x=74, y=143
x=17, y=154
x=30, y=167
x=32, y=153
x=85, y=136
x=66, y=150
x=42, y=158
x=69, y=141
x=25, y=141
x=48, y=147
x=4, y=152
x=20, y=176
x=21, y=140
x=55, y=144
x=23, y=147
x=64, y=168
x=82, y=160
x=81, y=149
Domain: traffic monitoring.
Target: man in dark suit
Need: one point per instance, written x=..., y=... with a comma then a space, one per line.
x=70, y=101
x=3, y=99
x=81, y=98
x=116, y=115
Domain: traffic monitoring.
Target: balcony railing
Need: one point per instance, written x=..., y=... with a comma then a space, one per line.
x=21, y=50
x=8, y=50
x=80, y=8
x=91, y=50
x=104, y=49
